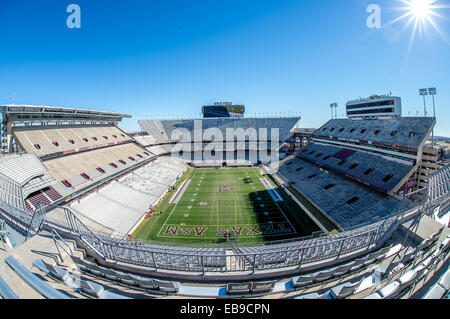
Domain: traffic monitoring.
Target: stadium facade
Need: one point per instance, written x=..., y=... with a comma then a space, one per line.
x=74, y=183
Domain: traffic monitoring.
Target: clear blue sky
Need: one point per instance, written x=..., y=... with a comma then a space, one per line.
x=148, y=58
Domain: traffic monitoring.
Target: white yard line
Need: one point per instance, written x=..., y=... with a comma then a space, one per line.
x=173, y=209
x=176, y=198
x=282, y=212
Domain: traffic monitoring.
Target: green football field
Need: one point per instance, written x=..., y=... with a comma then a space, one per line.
x=209, y=203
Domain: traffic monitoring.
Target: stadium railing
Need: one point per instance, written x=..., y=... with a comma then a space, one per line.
x=294, y=255
x=308, y=252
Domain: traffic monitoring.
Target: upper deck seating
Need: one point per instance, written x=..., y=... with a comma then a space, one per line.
x=404, y=131
x=165, y=132
x=145, y=140
x=11, y=193
x=47, y=140
x=373, y=169
x=21, y=168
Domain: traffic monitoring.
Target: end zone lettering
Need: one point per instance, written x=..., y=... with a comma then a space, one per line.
x=256, y=230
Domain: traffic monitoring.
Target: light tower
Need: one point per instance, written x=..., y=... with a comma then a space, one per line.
x=433, y=92
x=334, y=105
x=424, y=92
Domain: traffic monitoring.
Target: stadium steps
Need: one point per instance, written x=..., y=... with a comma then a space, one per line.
x=234, y=263
x=401, y=237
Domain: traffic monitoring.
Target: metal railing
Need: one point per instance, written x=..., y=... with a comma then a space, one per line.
x=281, y=255
x=295, y=254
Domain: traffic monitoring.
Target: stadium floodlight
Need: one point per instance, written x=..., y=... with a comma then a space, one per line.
x=433, y=92
x=333, y=105
x=424, y=92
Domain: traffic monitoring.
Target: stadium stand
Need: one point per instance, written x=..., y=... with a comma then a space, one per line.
x=145, y=140
x=21, y=168
x=11, y=193
x=68, y=167
x=40, y=286
x=344, y=201
x=385, y=173
x=120, y=205
x=166, y=132
x=365, y=259
x=439, y=184
x=30, y=175
x=48, y=140
x=404, y=131
x=83, y=286
x=6, y=292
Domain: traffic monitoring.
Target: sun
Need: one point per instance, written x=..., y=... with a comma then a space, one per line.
x=421, y=8
x=422, y=15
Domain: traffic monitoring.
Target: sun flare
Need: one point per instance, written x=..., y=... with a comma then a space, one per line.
x=422, y=16
x=420, y=8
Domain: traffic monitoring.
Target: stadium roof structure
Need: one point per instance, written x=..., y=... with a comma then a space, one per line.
x=15, y=113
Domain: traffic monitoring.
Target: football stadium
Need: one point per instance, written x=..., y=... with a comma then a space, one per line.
x=221, y=207
x=126, y=173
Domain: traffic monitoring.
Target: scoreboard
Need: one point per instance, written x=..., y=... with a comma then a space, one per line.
x=223, y=109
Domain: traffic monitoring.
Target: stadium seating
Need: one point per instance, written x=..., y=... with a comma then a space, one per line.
x=357, y=164
x=5, y=291
x=11, y=193
x=397, y=131
x=344, y=290
x=83, y=286
x=120, y=205
x=40, y=286
x=440, y=288
x=411, y=271
x=166, y=132
x=68, y=138
x=145, y=140
x=21, y=168
x=129, y=279
x=439, y=183
x=87, y=162
x=345, y=201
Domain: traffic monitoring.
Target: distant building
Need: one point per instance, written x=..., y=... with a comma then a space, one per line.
x=376, y=106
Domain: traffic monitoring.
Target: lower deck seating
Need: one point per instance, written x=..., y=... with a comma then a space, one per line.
x=385, y=173
x=346, y=202
x=120, y=205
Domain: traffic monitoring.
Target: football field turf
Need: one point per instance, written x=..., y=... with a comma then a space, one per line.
x=210, y=202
